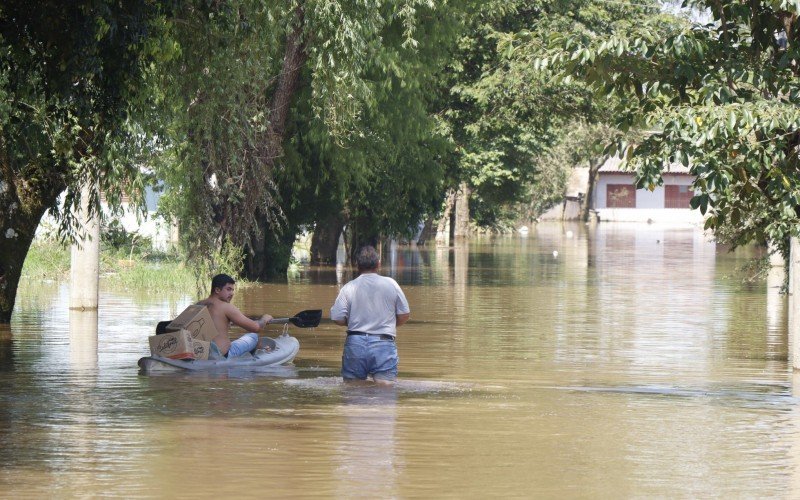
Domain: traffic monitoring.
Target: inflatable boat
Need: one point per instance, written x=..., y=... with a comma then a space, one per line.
x=282, y=351
x=279, y=351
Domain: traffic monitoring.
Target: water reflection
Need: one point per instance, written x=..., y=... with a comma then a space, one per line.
x=368, y=465
x=6, y=348
x=83, y=339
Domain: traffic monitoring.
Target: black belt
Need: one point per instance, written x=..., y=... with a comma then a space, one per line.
x=383, y=336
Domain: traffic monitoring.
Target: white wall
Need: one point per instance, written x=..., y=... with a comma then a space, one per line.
x=649, y=204
x=645, y=199
x=156, y=228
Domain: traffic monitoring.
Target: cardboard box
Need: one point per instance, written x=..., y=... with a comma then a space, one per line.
x=197, y=320
x=173, y=345
x=201, y=349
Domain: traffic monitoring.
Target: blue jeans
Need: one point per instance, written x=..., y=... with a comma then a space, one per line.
x=243, y=344
x=369, y=355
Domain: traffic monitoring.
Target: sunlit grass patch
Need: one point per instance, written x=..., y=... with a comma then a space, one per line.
x=46, y=260
x=50, y=260
x=158, y=272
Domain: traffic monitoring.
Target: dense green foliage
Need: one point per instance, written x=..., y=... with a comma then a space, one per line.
x=722, y=97
x=356, y=137
x=505, y=115
x=69, y=72
x=69, y=79
x=384, y=177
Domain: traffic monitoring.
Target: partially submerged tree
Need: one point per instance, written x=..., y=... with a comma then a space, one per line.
x=243, y=68
x=69, y=80
x=383, y=179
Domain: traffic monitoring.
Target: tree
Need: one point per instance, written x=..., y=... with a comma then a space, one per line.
x=505, y=115
x=245, y=69
x=720, y=97
x=382, y=180
x=579, y=144
x=69, y=79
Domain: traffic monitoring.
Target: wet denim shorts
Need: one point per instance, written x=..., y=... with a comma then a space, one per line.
x=369, y=355
x=243, y=344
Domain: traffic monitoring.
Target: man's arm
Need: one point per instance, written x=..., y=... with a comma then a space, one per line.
x=402, y=318
x=340, y=311
x=236, y=317
x=401, y=305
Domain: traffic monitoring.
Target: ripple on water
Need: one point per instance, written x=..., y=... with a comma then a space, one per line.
x=401, y=386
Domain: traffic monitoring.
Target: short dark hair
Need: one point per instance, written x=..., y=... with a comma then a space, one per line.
x=220, y=280
x=367, y=258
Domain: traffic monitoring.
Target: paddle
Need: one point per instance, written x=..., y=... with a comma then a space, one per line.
x=304, y=319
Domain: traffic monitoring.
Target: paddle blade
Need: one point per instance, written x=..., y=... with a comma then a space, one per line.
x=307, y=319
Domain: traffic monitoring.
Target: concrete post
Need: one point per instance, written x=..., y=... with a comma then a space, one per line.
x=794, y=302
x=85, y=258
x=83, y=339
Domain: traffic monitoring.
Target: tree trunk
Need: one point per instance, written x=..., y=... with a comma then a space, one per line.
x=293, y=59
x=266, y=257
x=269, y=255
x=427, y=231
x=360, y=235
x=22, y=205
x=462, y=212
x=594, y=169
x=449, y=202
x=12, y=257
x=325, y=240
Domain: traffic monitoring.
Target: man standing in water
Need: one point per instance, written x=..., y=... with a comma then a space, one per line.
x=223, y=313
x=371, y=307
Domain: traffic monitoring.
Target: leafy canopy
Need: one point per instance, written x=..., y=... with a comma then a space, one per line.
x=720, y=97
x=504, y=115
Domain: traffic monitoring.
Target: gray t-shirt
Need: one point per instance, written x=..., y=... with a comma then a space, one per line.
x=370, y=303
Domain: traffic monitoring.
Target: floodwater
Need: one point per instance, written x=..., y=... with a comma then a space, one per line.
x=633, y=363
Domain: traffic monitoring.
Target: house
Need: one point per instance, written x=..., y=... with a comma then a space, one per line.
x=571, y=207
x=616, y=198
x=162, y=233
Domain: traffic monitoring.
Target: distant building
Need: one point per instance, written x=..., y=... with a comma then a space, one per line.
x=617, y=199
x=571, y=206
x=161, y=232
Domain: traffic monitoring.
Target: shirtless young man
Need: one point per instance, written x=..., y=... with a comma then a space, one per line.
x=223, y=313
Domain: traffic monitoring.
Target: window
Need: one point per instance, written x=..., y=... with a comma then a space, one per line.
x=620, y=196
x=677, y=196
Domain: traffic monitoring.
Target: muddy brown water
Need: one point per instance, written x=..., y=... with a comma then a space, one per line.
x=634, y=363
